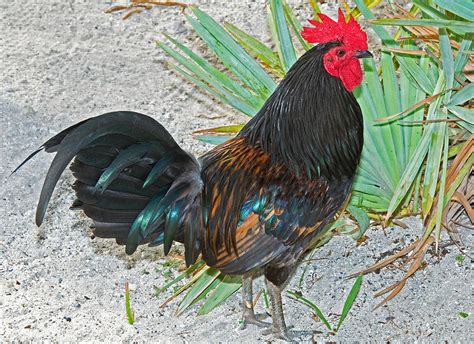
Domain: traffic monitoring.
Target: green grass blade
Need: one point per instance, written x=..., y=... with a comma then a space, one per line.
x=390, y=84
x=202, y=84
x=266, y=301
x=295, y=26
x=362, y=220
x=215, y=77
x=435, y=69
x=298, y=297
x=180, y=277
x=371, y=196
x=373, y=141
x=439, y=153
x=407, y=96
x=373, y=94
x=418, y=157
x=462, y=8
x=373, y=203
x=191, y=282
x=409, y=175
x=410, y=95
x=226, y=98
x=375, y=206
x=206, y=291
x=366, y=184
x=418, y=76
x=466, y=168
x=199, y=286
x=463, y=56
x=350, y=301
x=214, y=140
x=281, y=34
x=465, y=115
x=257, y=49
x=433, y=162
x=128, y=307
x=447, y=62
x=315, y=7
x=393, y=105
x=308, y=260
x=231, y=53
x=463, y=95
x=432, y=12
x=326, y=232
x=371, y=166
x=379, y=30
x=375, y=87
x=416, y=194
x=442, y=186
x=203, y=80
x=417, y=95
x=449, y=24
x=369, y=3
x=233, y=128
x=455, y=149
x=228, y=286
x=370, y=176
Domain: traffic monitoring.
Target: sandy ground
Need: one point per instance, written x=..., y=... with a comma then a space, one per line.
x=63, y=61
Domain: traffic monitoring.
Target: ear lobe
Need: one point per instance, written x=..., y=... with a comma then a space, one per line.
x=330, y=68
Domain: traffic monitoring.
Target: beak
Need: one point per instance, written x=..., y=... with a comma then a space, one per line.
x=363, y=53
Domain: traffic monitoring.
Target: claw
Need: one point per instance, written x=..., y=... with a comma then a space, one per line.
x=248, y=314
x=279, y=333
x=250, y=318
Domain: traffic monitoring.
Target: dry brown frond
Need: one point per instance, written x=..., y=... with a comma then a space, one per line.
x=429, y=36
x=137, y=6
x=460, y=201
x=414, y=253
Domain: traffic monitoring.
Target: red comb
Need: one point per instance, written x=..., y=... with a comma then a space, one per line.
x=350, y=33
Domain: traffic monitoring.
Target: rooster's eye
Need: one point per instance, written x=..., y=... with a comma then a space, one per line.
x=340, y=53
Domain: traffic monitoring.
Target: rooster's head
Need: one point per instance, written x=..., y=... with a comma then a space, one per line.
x=341, y=61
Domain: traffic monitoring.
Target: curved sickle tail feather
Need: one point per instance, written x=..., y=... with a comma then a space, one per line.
x=132, y=179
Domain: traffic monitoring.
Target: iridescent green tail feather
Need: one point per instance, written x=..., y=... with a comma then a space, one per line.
x=132, y=180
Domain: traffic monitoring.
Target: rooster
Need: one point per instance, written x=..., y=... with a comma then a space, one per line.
x=250, y=205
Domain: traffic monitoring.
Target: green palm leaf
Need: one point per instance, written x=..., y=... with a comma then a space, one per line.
x=403, y=160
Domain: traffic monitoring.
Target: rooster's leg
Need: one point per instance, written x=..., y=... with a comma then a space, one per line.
x=278, y=326
x=275, y=278
x=248, y=315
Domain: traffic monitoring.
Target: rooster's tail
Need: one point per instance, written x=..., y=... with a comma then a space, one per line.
x=132, y=180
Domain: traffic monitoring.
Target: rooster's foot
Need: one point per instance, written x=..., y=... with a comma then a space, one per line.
x=250, y=318
x=279, y=333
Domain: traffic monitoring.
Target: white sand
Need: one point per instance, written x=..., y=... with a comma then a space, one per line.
x=63, y=61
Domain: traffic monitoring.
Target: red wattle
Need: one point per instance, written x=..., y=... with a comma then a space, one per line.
x=351, y=74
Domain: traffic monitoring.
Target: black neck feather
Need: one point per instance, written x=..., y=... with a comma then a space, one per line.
x=311, y=123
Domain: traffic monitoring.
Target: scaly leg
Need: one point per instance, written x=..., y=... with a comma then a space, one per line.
x=248, y=314
x=278, y=328
x=275, y=278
